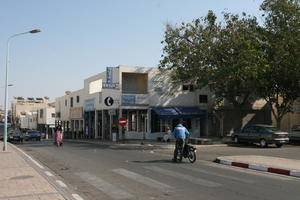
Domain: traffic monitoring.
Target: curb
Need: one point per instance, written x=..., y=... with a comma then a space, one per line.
x=286, y=172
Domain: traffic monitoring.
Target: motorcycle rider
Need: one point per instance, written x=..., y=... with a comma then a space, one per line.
x=180, y=133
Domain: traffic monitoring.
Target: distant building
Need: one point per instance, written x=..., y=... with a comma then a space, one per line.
x=25, y=111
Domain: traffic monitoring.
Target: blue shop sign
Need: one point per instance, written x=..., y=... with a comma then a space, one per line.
x=128, y=99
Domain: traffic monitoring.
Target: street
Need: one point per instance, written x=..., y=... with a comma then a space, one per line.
x=122, y=172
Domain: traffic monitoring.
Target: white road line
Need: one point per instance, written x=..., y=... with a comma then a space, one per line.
x=185, y=177
x=61, y=183
x=221, y=175
x=113, y=191
x=143, y=179
x=77, y=197
x=35, y=162
x=48, y=173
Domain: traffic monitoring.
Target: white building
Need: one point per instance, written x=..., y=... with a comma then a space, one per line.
x=144, y=96
x=28, y=120
x=46, y=120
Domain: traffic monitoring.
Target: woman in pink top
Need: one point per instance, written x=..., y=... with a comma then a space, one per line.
x=58, y=136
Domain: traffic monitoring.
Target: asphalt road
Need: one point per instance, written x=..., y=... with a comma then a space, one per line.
x=106, y=173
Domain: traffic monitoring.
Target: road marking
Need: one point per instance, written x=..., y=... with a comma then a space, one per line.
x=221, y=175
x=143, y=179
x=192, y=179
x=48, y=173
x=35, y=162
x=295, y=173
x=61, y=183
x=77, y=197
x=109, y=189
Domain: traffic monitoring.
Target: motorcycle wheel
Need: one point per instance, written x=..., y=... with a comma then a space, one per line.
x=192, y=156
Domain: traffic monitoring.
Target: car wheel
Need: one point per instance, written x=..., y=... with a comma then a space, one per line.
x=279, y=145
x=263, y=143
x=236, y=140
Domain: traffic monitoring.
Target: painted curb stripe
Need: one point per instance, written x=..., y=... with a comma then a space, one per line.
x=258, y=168
x=238, y=164
x=279, y=171
x=295, y=173
x=61, y=183
x=225, y=162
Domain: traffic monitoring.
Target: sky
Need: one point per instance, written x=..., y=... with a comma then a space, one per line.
x=80, y=38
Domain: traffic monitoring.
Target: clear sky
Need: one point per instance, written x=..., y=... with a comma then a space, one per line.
x=80, y=38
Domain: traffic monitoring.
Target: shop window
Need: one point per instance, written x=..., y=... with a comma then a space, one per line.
x=155, y=122
x=132, y=121
x=203, y=99
x=166, y=124
x=142, y=127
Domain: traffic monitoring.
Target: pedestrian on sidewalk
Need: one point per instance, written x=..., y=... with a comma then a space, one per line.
x=181, y=134
x=58, y=136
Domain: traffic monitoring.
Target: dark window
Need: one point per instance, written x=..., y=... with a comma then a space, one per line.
x=71, y=101
x=77, y=99
x=188, y=87
x=202, y=98
x=66, y=102
x=41, y=113
x=185, y=87
x=53, y=115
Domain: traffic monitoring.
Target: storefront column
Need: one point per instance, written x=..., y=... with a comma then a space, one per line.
x=120, y=127
x=149, y=121
x=95, y=123
x=102, y=125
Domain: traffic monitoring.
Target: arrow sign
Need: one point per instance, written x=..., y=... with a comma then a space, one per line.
x=122, y=121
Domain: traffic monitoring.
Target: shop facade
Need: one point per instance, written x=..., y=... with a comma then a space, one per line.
x=142, y=95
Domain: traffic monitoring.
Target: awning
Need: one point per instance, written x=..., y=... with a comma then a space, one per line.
x=166, y=112
x=190, y=112
x=178, y=112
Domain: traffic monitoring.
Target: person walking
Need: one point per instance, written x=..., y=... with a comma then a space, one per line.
x=180, y=133
x=58, y=136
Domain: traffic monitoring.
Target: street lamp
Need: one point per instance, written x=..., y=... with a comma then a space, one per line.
x=6, y=84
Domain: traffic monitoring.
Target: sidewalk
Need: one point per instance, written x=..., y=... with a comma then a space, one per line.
x=276, y=165
x=20, y=180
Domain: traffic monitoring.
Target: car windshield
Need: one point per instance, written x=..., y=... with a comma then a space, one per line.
x=272, y=129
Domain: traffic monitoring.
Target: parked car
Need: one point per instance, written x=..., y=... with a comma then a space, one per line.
x=294, y=134
x=32, y=135
x=15, y=136
x=262, y=134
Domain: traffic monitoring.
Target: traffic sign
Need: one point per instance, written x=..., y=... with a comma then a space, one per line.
x=109, y=101
x=122, y=121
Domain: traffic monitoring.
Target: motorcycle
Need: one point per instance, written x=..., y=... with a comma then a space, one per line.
x=188, y=152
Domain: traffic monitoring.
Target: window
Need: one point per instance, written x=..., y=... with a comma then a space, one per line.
x=71, y=101
x=66, y=102
x=132, y=121
x=41, y=113
x=77, y=99
x=203, y=98
x=53, y=115
x=188, y=88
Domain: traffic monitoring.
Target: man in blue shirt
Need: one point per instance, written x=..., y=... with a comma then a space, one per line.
x=180, y=133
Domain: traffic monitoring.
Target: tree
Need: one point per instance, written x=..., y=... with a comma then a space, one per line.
x=224, y=56
x=279, y=80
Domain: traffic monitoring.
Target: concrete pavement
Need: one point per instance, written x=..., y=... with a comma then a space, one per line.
x=23, y=178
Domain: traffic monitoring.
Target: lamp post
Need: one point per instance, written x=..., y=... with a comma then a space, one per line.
x=6, y=84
